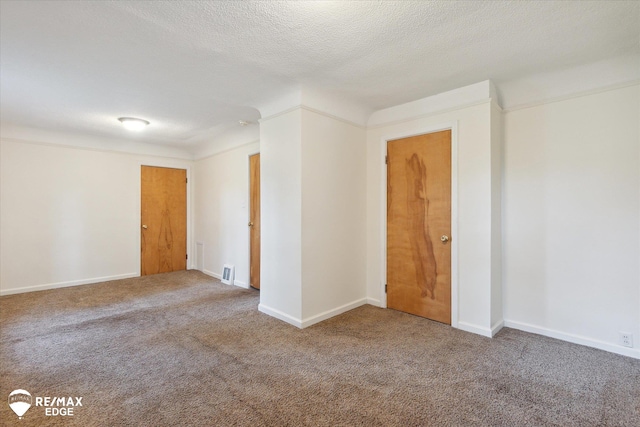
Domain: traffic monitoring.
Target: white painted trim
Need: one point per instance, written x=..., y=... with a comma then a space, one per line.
x=57, y=285
x=190, y=179
x=572, y=338
x=281, y=113
x=475, y=329
x=313, y=110
x=280, y=315
x=451, y=100
x=429, y=114
x=455, y=285
x=187, y=157
x=212, y=274
x=237, y=283
x=331, y=116
x=383, y=222
x=201, y=244
x=497, y=327
x=571, y=96
x=375, y=302
x=226, y=150
x=333, y=312
x=494, y=104
x=453, y=126
x=240, y=284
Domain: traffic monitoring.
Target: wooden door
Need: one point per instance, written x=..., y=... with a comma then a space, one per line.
x=419, y=225
x=254, y=220
x=163, y=220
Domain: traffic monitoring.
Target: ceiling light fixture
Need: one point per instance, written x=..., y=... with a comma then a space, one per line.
x=131, y=123
x=243, y=122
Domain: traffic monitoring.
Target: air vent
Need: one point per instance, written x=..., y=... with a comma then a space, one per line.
x=228, y=273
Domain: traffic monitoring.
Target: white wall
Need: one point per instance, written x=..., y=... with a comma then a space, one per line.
x=571, y=218
x=69, y=215
x=9, y=131
x=333, y=216
x=313, y=215
x=221, y=211
x=570, y=211
x=496, y=217
x=281, y=216
x=473, y=281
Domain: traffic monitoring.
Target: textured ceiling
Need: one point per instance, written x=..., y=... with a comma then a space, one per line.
x=195, y=68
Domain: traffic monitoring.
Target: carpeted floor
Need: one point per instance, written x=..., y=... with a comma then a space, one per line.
x=182, y=349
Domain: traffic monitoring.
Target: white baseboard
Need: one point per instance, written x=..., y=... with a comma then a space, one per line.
x=481, y=330
x=374, y=302
x=44, y=287
x=219, y=277
x=333, y=312
x=313, y=319
x=212, y=274
x=496, y=328
x=475, y=329
x=240, y=284
x=280, y=315
x=576, y=339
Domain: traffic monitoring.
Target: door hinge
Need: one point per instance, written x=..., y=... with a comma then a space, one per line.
x=385, y=289
x=386, y=160
x=186, y=180
x=187, y=256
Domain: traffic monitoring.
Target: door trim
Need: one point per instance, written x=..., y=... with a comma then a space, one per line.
x=173, y=165
x=421, y=130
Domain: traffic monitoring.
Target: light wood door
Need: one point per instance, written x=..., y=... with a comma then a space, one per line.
x=163, y=220
x=419, y=225
x=254, y=220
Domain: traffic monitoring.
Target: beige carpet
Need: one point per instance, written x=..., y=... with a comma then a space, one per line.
x=182, y=349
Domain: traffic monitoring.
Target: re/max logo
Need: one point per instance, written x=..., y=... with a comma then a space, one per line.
x=58, y=401
x=21, y=400
x=59, y=406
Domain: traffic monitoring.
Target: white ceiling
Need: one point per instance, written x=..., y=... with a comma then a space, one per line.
x=195, y=68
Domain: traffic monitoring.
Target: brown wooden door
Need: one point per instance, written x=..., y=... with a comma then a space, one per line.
x=163, y=220
x=418, y=216
x=254, y=220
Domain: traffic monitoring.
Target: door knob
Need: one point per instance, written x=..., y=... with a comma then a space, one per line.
x=250, y=224
x=144, y=227
x=444, y=238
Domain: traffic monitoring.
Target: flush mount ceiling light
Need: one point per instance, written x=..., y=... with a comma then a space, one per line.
x=131, y=123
